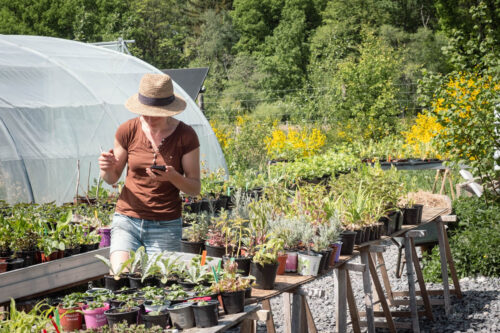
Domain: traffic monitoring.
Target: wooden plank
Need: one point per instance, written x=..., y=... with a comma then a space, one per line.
x=416, y=233
x=376, y=301
x=411, y=286
x=365, y=259
x=266, y=305
x=287, y=311
x=448, y=218
x=377, y=248
x=310, y=292
x=284, y=283
x=381, y=296
x=355, y=267
x=434, y=301
x=404, y=314
x=353, y=309
x=51, y=275
x=340, y=300
x=430, y=292
x=444, y=267
x=227, y=321
x=421, y=282
x=248, y=326
x=383, y=324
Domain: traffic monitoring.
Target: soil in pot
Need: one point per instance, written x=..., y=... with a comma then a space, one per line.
x=242, y=262
x=113, y=285
x=117, y=315
x=192, y=247
x=265, y=275
x=215, y=251
x=71, y=320
x=233, y=302
x=182, y=315
x=206, y=315
x=282, y=264
x=151, y=320
x=347, y=238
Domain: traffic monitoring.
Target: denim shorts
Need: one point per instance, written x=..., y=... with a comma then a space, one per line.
x=130, y=233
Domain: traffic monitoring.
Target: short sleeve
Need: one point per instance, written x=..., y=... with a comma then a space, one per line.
x=124, y=134
x=189, y=140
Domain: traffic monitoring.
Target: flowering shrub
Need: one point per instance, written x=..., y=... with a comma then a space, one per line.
x=464, y=105
x=419, y=139
x=293, y=143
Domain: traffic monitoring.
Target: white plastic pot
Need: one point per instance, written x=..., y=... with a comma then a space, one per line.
x=308, y=263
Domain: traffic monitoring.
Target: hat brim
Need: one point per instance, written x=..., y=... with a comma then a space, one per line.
x=176, y=107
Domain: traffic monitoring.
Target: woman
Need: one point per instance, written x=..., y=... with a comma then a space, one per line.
x=148, y=211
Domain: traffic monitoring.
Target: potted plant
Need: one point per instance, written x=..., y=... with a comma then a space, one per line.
x=232, y=288
x=308, y=261
x=182, y=315
x=194, y=274
x=94, y=313
x=168, y=268
x=128, y=312
x=265, y=262
x=155, y=318
x=236, y=231
x=288, y=229
x=69, y=310
x=216, y=239
x=206, y=313
x=116, y=279
x=193, y=237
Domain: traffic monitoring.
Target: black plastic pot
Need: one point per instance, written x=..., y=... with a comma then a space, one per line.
x=187, y=285
x=359, y=236
x=325, y=259
x=192, y=247
x=215, y=251
x=390, y=223
x=28, y=256
x=347, y=239
x=233, y=302
x=242, y=262
x=367, y=232
x=15, y=263
x=112, y=284
x=135, y=282
x=114, y=316
x=206, y=315
x=155, y=320
x=182, y=315
x=412, y=215
x=264, y=275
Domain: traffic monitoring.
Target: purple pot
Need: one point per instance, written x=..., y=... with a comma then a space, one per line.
x=105, y=236
x=337, y=253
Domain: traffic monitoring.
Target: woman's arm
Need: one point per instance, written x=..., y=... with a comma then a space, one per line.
x=188, y=183
x=112, y=163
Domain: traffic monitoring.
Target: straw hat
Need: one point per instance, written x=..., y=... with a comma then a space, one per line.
x=156, y=97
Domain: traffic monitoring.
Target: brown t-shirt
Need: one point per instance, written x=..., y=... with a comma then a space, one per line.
x=142, y=197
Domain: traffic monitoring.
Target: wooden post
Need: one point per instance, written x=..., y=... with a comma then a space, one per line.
x=443, y=181
x=287, y=306
x=381, y=296
x=311, y=326
x=376, y=300
x=444, y=266
x=266, y=305
x=453, y=272
x=340, y=300
x=353, y=309
x=370, y=318
x=299, y=318
x=411, y=285
x=385, y=278
x=438, y=171
x=421, y=282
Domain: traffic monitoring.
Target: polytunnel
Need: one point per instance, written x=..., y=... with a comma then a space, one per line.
x=60, y=101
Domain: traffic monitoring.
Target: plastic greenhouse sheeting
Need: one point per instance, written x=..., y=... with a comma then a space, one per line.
x=60, y=100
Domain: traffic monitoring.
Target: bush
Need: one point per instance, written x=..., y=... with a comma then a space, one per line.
x=474, y=241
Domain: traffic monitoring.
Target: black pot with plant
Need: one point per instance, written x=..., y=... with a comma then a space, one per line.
x=264, y=266
x=206, y=313
x=347, y=238
x=182, y=315
x=242, y=262
x=155, y=318
x=129, y=314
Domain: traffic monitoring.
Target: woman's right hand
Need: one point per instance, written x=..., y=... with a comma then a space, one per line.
x=107, y=161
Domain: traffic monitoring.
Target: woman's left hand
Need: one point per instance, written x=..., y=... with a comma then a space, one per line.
x=163, y=176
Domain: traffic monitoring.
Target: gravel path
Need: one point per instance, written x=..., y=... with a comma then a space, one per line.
x=477, y=311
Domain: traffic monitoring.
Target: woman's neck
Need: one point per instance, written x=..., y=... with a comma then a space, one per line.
x=157, y=125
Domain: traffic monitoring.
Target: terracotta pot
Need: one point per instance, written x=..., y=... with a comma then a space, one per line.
x=52, y=256
x=70, y=320
x=282, y=264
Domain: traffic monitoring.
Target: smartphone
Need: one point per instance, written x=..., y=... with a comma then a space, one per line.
x=158, y=167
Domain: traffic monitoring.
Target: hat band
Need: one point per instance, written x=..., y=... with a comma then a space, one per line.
x=153, y=101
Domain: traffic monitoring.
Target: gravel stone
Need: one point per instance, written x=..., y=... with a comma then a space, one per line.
x=477, y=311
